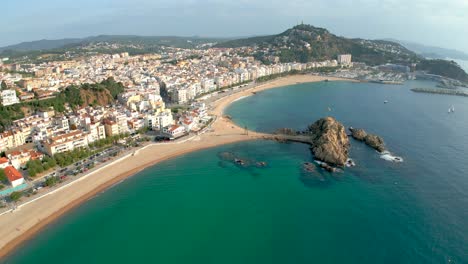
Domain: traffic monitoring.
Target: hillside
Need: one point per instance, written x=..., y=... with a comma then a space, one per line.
x=433, y=52
x=445, y=68
x=304, y=43
x=40, y=45
x=103, y=94
x=104, y=43
x=65, y=49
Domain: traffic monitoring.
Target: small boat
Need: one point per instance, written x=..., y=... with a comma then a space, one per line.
x=261, y=164
x=385, y=101
x=329, y=109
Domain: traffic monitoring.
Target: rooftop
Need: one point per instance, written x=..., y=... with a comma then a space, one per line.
x=12, y=174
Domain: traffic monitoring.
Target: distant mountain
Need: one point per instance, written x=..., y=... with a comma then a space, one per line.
x=41, y=45
x=433, y=52
x=49, y=45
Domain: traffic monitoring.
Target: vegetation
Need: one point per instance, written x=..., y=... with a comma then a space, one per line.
x=35, y=167
x=15, y=196
x=304, y=43
x=3, y=178
x=103, y=93
x=52, y=50
x=67, y=158
x=51, y=181
x=445, y=68
x=107, y=141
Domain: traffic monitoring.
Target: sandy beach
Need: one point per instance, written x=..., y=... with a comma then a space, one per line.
x=20, y=225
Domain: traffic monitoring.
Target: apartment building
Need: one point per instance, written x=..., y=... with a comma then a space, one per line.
x=66, y=142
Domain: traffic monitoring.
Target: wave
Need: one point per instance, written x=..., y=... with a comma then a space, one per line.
x=240, y=98
x=386, y=155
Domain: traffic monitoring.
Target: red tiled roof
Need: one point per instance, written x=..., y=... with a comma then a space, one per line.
x=3, y=160
x=12, y=174
x=173, y=127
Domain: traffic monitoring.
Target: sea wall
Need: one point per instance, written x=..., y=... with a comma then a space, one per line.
x=440, y=91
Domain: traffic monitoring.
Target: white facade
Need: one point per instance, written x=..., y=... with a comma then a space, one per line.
x=174, y=131
x=344, y=59
x=66, y=142
x=9, y=97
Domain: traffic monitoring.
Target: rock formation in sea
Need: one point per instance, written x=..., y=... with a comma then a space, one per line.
x=371, y=140
x=358, y=134
x=329, y=141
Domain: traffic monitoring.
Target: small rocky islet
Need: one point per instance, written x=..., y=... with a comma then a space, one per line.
x=330, y=144
x=241, y=161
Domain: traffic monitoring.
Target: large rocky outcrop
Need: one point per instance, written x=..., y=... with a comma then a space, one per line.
x=371, y=140
x=329, y=141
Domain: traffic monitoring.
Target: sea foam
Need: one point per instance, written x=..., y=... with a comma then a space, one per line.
x=386, y=155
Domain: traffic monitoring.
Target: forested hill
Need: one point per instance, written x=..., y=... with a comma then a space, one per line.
x=304, y=43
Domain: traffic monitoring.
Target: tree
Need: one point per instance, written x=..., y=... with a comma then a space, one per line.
x=51, y=181
x=3, y=177
x=4, y=86
x=15, y=196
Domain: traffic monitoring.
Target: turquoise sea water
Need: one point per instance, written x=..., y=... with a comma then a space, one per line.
x=201, y=208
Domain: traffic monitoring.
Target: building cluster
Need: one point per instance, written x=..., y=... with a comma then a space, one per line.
x=184, y=74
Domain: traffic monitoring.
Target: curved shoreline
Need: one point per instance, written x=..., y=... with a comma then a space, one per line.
x=19, y=226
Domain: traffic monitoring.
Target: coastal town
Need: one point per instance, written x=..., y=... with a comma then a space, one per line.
x=164, y=97
x=70, y=129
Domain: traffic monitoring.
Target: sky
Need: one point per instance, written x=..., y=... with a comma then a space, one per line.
x=442, y=23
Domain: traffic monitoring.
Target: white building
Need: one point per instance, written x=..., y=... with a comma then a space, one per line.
x=4, y=162
x=180, y=96
x=14, y=176
x=9, y=97
x=344, y=59
x=96, y=131
x=174, y=131
x=66, y=142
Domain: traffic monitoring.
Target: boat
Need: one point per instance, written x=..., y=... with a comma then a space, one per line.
x=329, y=109
x=385, y=101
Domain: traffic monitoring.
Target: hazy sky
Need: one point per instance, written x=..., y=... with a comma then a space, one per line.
x=436, y=22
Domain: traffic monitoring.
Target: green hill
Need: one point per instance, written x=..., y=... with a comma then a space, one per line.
x=304, y=43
